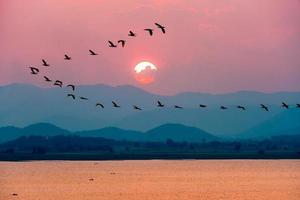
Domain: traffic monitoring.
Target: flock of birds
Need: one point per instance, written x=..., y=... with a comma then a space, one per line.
x=59, y=83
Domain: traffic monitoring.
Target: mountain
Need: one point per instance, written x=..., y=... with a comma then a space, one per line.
x=28, y=104
x=178, y=132
x=285, y=123
x=42, y=129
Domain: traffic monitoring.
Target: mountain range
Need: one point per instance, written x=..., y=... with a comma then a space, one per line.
x=22, y=105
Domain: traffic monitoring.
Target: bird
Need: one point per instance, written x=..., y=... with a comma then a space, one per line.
x=264, y=107
x=14, y=194
x=47, y=79
x=83, y=98
x=91, y=179
x=284, y=105
x=149, y=30
x=58, y=83
x=67, y=57
x=223, y=107
x=132, y=34
x=161, y=27
x=122, y=42
x=92, y=53
x=202, y=106
x=298, y=105
x=71, y=95
x=45, y=63
x=136, y=108
x=71, y=86
x=34, y=70
x=159, y=104
x=115, y=104
x=99, y=104
x=241, y=107
x=111, y=44
x=178, y=107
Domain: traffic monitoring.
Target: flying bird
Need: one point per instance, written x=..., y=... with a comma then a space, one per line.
x=45, y=63
x=132, y=34
x=136, y=108
x=71, y=95
x=58, y=83
x=14, y=194
x=264, y=107
x=34, y=70
x=99, y=104
x=202, y=106
x=223, y=107
x=111, y=44
x=115, y=104
x=122, y=42
x=67, y=57
x=161, y=27
x=91, y=179
x=241, y=107
x=71, y=86
x=92, y=53
x=149, y=30
x=83, y=98
x=47, y=79
x=159, y=104
x=284, y=105
x=178, y=107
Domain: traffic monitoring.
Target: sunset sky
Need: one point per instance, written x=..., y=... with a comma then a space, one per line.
x=210, y=46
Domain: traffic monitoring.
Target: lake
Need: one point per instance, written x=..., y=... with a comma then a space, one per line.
x=154, y=179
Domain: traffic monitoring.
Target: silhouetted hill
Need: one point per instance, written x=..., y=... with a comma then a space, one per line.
x=178, y=132
x=285, y=123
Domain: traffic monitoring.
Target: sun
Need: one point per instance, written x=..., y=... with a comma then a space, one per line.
x=145, y=72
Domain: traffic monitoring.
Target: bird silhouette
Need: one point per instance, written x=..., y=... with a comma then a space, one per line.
x=45, y=63
x=71, y=95
x=298, y=105
x=111, y=44
x=58, y=83
x=264, y=107
x=161, y=27
x=99, y=104
x=178, y=107
x=115, y=104
x=223, y=107
x=34, y=70
x=131, y=34
x=47, y=79
x=202, y=106
x=91, y=179
x=83, y=98
x=92, y=53
x=136, y=108
x=122, y=42
x=284, y=105
x=14, y=194
x=67, y=57
x=149, y=30
x=71, y=86
x=159, y=104
x=241, y=107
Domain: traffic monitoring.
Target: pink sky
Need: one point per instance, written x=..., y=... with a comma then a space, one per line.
x=210, y=46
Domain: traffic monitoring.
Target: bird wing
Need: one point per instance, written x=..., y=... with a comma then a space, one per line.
x=92, y=52
x=111, y=43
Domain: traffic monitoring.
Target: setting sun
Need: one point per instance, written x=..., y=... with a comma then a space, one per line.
x=145, y=72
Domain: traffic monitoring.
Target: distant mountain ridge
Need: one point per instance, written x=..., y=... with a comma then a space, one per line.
x=23, y=104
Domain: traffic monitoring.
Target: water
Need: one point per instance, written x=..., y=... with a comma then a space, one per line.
x=143, y=180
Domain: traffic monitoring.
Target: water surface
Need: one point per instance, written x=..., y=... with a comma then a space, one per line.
x=143, y=180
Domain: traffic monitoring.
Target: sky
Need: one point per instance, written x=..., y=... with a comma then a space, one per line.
x=210, y=46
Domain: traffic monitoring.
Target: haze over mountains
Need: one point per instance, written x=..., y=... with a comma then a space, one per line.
x=23, y=105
